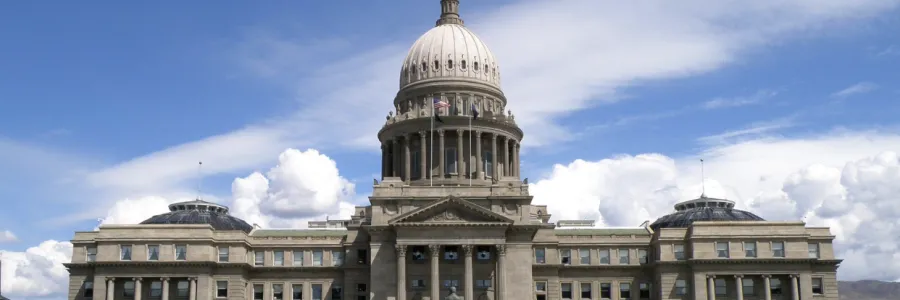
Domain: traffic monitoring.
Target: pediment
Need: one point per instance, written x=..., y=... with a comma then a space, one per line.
x=450, y=210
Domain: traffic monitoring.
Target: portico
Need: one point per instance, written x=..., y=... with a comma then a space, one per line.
x=773, y=286
x=139, y=288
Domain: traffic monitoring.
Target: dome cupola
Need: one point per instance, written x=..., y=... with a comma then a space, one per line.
x=703, y=209
x=449, y=51
x=200, y=212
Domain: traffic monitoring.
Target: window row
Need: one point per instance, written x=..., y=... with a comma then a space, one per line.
x=463, y=65
x=583, y=256
x=567, y=290
x=449, y=253
x=278, y=291
x=418, y=283
x=182, y=289
x=125, y=252
x=298, y=259
x=723, y=249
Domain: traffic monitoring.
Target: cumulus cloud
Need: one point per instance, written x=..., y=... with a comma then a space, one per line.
x=7, y=236
x=38, y=271
x=851, y=188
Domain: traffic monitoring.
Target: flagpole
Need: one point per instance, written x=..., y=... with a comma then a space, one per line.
x=470, y=145
x=431, y=161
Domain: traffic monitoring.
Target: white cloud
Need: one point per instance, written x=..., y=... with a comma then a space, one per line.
x=36, y=272
x=723, y=102
x=752, y=131
x=856, y=89
x=583, y=51
x=831, y=180
x=7, y=236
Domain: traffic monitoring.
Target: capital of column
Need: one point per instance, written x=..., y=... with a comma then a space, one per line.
x=434, y=250
x=401, y=250
x=501, y=250
x=460, y=131
x=710, y=276
x=423, y=134
x=136, y=279
x=192, y=279
x=467, y=250
x=164, y=279
x=794, y=275
x=738, y=276
x=767, y=276
x=494, y=137
x=478, y=133
x=407, y=137
x=440, y=132
x=110, y=279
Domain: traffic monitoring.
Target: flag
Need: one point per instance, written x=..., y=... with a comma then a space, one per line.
x=438, y=103
x=474, y=112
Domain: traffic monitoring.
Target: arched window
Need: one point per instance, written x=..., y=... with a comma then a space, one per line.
x=476, y=66
x=449, y=64
x=462, y=65
x=437, y=65
x=424, y=67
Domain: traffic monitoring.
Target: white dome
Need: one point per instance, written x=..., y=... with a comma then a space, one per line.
x=450, y=51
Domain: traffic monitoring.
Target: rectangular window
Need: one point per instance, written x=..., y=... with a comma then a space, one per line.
x=337, y=258
x=565, y=291
x=813, y=250
x=777, y=249
x=128, y=289
x=750, y=249
x=722, y=249
x=298, y=258
x=539, y=256
x=297, y=291
x=221, y=289
x=451, y=282
x=749, y=289
x=180, y=252
x=483, y=252
x=625, y=290
x=644, y=292
x=223, y=254
x=720, y=287
x=361, y=287
x=337, y=292
x=488, y=163
x=182, y=289
x=624, y=257
x=156, y=289
x=317, y=259
x=540, y=286
x=565, y=256
x=277, y=291
x=152, y=252
x=540, y=297
x=679, y=252
x=483, y=283
x=414, y=167
x=642, y=255
x=258, y=291
x=451, y=253
x=775, y=286
x=584, y=256
x=418, y=253
x=604, y=256
x=317, y=291
x=259, y=258
x=605, y=291
x=91, y=254
x=88, y=287
x=362, y=257
x=817, y=286
x=680, y=287
x=417, y=283
x=450, y=160
x=278, y=258
x=125, y=252
x=586, y=290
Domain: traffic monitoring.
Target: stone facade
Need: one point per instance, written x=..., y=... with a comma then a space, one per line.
x=451, y=210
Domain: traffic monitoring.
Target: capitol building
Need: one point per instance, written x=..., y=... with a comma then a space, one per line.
x=451, y=218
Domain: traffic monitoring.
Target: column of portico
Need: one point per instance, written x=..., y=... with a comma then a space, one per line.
x=192, y=293
x=459, y=154
x=795, y=287
x=434, y=251
x=501, y=276
x=384, y=160
x=110, y=288
x=469, y=277
x=406, y=159
x=494, y=168
x=395, y=157
x=479, y=168
x=739, y=279
x=137, y=288
x=423, y=155
x=711, y=287
x=518, y=163
x=401, y=271
x=767, y=284
x=441, y=154
x=165, y=288
x=507, y=166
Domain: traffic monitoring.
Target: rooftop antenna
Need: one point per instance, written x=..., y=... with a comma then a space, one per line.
x=199, y=178
x=702, y=180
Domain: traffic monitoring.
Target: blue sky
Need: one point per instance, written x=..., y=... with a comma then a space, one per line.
x=106, y=101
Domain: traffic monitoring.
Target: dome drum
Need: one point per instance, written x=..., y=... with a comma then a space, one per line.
x=703, y=209
x=200, y=212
